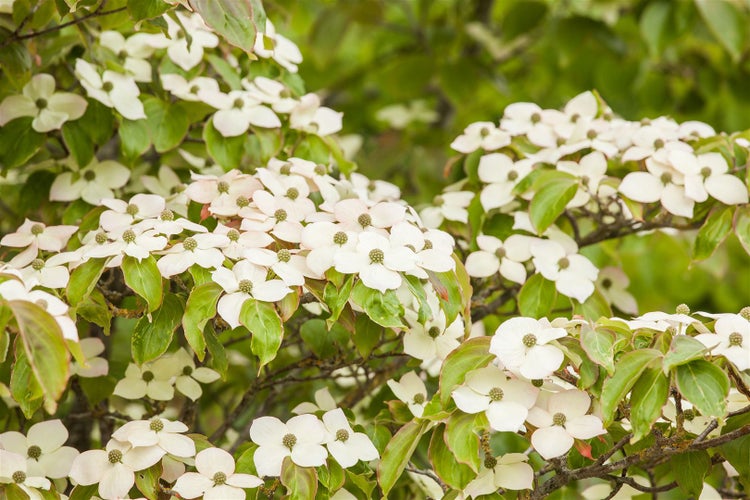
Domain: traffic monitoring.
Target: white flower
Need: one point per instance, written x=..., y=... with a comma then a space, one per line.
x=731, y=340
x=136, y=241
x=504, y=401
x=94, y=366
x=135, y=50
x=113, y=468
x=112, y=89
x=345, y=445
x=323, y=401
x=573, y=274
x=651, y=138
x=13, y=470
x=377, y=261
x=92, y=183
x=157, y=432
x=483, y=135
x=190, y=376
x=154, y=379
x=50, y=273
x=706, y=174
x=301, y=438
x=222, y=191
x=43, y=448
x=430, y=256
x=432, y=340
x=270, y=92
x=270, y=44
x=450, y=205
x=244, y=281
x=411, y=390
x=509, y=471
x=502, y=174
x=215, y=479
x=356, y=215
x=35, y=236
x=612, y=282
x=309, y=116
x=560, y=418
x=400, y=116
x=523, y=344
x=279, y=215
x=50, y=109
x=238, y=109
x=495, y=255
x=189, y=90
x=662, y=182
x=325, y=239
x=122, y=214
x=201, y=249
x=185, y=55
x=590, y=170
x=286, y=264
x=15, y=290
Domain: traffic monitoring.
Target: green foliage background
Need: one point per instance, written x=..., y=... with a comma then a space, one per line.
x=468, y=59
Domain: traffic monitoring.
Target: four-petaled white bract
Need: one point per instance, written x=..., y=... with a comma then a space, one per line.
x=524, y=344
x=300, y=438
x=216, y=478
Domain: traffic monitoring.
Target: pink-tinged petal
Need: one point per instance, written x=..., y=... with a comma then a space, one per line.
x=267, y=431
x=192, y=485
x=517, y=476
x=213, y=460
x=89, y=467
x=482, y=264
x=506, y=416
x=728, y=189
x=57, y=464
x=48, y=436
x=584, y=427
x=642, y=187
x=116, y=482
x=224, y=492
x=551, y=442
x=309, y=455
x=674, y=200
x=268, y=459
x=541, y=361
x=177, y=444
x=469, y=401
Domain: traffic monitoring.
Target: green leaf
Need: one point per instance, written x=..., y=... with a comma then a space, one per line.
x=98, y=121
x=18, y=141
x=726, y=23
x=397, y=454
x=453, y=473
x=167, y=123
x=316, y=336
x=201, y=307
x=715, y=230
x=336, y=298
x=24, y=388
x=383, y=308
x=742, y=226
x=418, y=291
x=682, y=349
x=147, y=481
x=45, y=349
x=648, y=397
x=689, y=469
x=265, y=324
x=367, y=334
x=593, y=308
x=219, y=361
x=16, y=62
x=226, y=151
x=461, y=438
x=599, y=346
x=236, y=20
x=13, y=492
x=143, y=277
x=78, y=142
x=472, y=354
x=654, y=24
x=537, y=297
x=147, y=9
x=151, y=339
x=550, y=200
x=134, y=138
x=331, y=475
x=628, y=368
x=83, y=280
x=705, y=385
x=84, y=492
x=449, y=292
x=301, y=482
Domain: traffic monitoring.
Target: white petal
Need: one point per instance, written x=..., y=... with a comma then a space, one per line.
x=469, y=401
x=192, y=485
x=642, y=187
x=551, y=442
x=116, y=482
x=728, y=189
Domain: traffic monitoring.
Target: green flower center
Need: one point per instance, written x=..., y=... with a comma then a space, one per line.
x=107, y=86
x=535, y=118
x=563, y=263
x=706, y=172
x=433, y=332
x=219, y=478
x=19, y=476
x=342, y=435
x=167, y=215
x=512, y=175
x=682, y=309
x=575, y=117
x=292, y=193
x=100, y=238
x=285, y=169
x=37, y=264
x=242, y=201
x=364, y=220
x=689, y=414
x=658, y=143
x=156, y=424
x=233, y=235
x=222, y=187
x=284, y=255
x=376, y=256
x=419, y=399
x=37, y=229
x=735, y=339
x=238, y=103
x=89, y=175
x=427, y=245
x=289, y=440
x=194, y=89
x=500, y=253
x=123, y=53
x=490, y=462
x=190, y=244
x=745, y=313
x=280, y=215
x=591, y=134
x=147, y=376
x=484, y=132
x=585, y=180
x=40, y=103
x=537, y=382
x=438, y=201
x=666, y=178
x=114, y=456
x=131, y=209
x=340, y=238
x=606, y=283
x=529, y=340
x=128, y=236
x=496, y=394
x=34, y=452
x=246, y=286
x=320, y=169
x=187, y=370
x=558, y=419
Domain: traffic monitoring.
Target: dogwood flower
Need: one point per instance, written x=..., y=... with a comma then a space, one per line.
x=483, y=135
x=501, y=175
x=509, y=471
x=706, y=175
x=270, y=92
x=94, y=366
x=560, y=418
x=35, y=236
x=662, y=182
x=411, y=390
x=309, y=116
x=449, y=205
x=185, y=55
x=504, y=401
x=590, y=170
x=432, y=339
x=237, y=110
x=135, y=50
x=43, y=448
x=612, y=282
x=50, y=273
x=189, y=90
x=13, y=470
x=201, y=249
x=39, y=100
x=112, y=89
x=113, y=468
x=15, y=290
x=731, y=340
x=345, y=445
x=523, y=344
x=216, y=478
x=157, y=432
x=325, y=239
x=300, y=438
x=377, y=261
x=136, y=241
x=323, y=401
x=573, y=274
x=122, y=214
x=92, y=183
x=268, y=43
x=495, y=255
x=154, y=379
x=356, y=215
x=190, y=378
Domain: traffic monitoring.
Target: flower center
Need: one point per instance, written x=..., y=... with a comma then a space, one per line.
x=537, y=382
x=689, y=414
x=745, y=313
x=222, y=187
x=706, y=172
x=735, y=339
x=238, y=103
x=419, y=399
x=219, y=478
x=285, y=169
x=292, y=193
x=242, y=201
x=558, y=419
x=563, y=263
x=147, y=376
x=19, y=476
x=682, y=309
x=284, y=255
x=484, y=132
x=280, y=215
x=107, y=86
x=658, y=143
x=289, y=440
x=37, y=264
x=37, y=229
x=427, y=245
x=535, y=118
x=187, y=370
x=114, y=456
x=591, y=134
x=585, y=180
x=131, y=209
x=500, y=253
x=320, y=169
x=433, y=332
x=666, y=178
x=167, y=215
x=438, y=201
x=100, y=238
x=128, y=236
x=246, y=286
x=342, y=435
x=34, y=452
x=233, y=235
x=364, y=220
x=89, y=175
x=123, y=53
x=512, y=175
x=190, y=244
x=574, y=117
x=41, y=103
x=376, y=256
x=606, y=283
x=340, y=238
x=156, y=424
x=194, y=89
x=529, y=340
x=496, y=394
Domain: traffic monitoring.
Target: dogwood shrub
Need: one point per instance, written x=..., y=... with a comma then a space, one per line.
x=204, y=299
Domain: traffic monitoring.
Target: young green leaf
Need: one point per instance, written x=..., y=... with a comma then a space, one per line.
x=550, y=200
x=715, y=230
x=301, y=482
x=397, y=454
x=265, y=324
x=151, y=339
x=144, y=278
x=627, y=370
x=537, y=297
x=453, y=473
x=201, y=307
x=705, y=385
x=648, y=396
x=472, y=354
